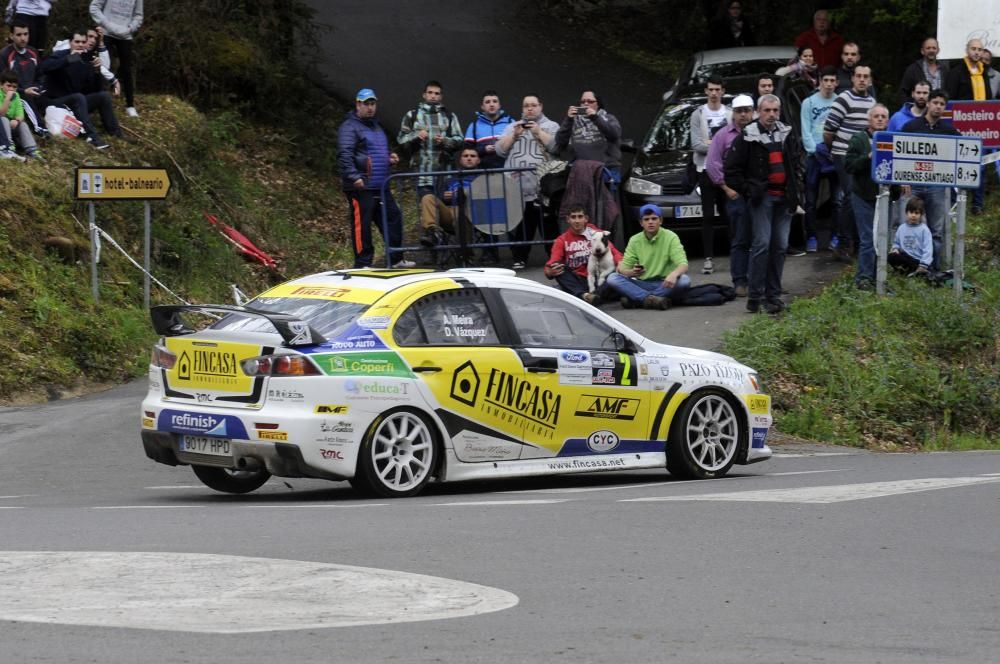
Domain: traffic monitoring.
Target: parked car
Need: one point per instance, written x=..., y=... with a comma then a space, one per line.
x=391, y=378
x=657, y=173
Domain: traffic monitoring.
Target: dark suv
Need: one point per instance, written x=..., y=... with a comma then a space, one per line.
x=657, y=172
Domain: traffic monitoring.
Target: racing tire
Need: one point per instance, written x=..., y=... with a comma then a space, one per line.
x=398, y=455
x=227, y=480
x=705, y=436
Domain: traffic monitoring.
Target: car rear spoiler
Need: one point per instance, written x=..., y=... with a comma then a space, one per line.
x=168, y=323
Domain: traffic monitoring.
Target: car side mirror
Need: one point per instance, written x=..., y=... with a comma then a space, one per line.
x=628, y=145
x=622, y=343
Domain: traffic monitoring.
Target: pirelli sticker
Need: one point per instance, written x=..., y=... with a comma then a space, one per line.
x=333, y=291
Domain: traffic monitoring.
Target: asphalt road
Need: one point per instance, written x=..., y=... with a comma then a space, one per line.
x=822, y=554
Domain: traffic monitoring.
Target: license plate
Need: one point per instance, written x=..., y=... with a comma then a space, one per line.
x=206, y=445
x=686, y=211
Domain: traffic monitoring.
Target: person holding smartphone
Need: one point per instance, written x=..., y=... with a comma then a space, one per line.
x=589, y=132
x=653, y=271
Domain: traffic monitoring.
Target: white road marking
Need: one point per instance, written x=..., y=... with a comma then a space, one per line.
x=12, y=497
x=144, y=507
x=194, y=592
x=586, y=489
x=831, y=494
x=499, y=502
x=321, y=505
x=4, y=507
x=805, y=472
x=176, y=486
x=799, y=455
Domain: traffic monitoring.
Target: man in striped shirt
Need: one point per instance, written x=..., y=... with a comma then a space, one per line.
x=848, y=116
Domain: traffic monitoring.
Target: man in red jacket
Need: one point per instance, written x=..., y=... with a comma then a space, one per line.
x=571, y=256
x=824, y=42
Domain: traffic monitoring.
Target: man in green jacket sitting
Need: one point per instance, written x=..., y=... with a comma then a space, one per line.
x=653, y=270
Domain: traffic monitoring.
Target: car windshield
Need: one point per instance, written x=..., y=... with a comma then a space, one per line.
x=740, y=69
x=670, y=132
x=328, y=317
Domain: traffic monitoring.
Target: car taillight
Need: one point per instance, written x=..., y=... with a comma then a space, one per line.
x=162, y=358
x=280, y=365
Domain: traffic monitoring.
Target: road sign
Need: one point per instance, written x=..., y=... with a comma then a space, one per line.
x=926, y=160
x=976, y=118
x=108, y=183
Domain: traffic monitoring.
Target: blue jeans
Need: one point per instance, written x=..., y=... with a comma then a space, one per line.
x=771, y=223
x=845, y=215
x=936, y=204
x=739, y=240
x=864, y=215
x=637, y=289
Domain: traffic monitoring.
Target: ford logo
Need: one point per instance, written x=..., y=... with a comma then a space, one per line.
x=603, y=441
x=574, y=356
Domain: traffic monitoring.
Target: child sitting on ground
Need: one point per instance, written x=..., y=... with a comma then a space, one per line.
x=913, y=247
x=12, y=117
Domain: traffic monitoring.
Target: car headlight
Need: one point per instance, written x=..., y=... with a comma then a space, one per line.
x=639, y=186
x=756, y=382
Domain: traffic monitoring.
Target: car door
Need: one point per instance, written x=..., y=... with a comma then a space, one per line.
x=585, y=394
x=451, y=343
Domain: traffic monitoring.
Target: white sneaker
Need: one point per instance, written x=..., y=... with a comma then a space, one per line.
x=708, y=267
x=7, y=153
x=404, y=265
x=131, y=112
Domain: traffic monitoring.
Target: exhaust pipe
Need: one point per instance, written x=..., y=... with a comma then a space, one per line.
x=248, y=463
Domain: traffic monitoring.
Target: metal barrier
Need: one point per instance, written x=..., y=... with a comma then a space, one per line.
x=486, y=216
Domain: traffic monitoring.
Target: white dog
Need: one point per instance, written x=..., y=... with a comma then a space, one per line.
x=601, y=262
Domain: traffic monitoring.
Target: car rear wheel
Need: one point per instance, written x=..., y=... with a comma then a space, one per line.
x=398, y=455
x=227, y=480
x=705, y=436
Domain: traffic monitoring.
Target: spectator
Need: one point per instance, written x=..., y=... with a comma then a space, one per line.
x=847, y=116
x=589, y=132
x=96, y=52
x=825, y=43
x=927, y=69
x=849, y=57
x=864, y=192
x=653, y=270
x=431, y=134
x=485, y=130
x=35, y=15
x=730, y=27
x=911, y=109
x=966, y=79
x=73, y=80
x=763, y=86
x=570, y=258
x=440, y=215
x=364, y=160
x=935, y=198
x=23, y=60
x=706, y=121
x=913, y=247
x=802, y=67
x=764, y=166
x=819, y=161
x=991, y=74
x=528, y=143
x=15, y=129
x=736, y=209
x=120, y=20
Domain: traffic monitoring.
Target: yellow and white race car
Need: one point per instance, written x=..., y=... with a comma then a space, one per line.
x=389, y=378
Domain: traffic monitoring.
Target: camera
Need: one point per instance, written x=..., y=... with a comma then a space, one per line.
x=581, y=110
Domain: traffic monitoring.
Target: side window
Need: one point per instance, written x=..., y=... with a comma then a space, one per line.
x=542, y=320
x=450, y=318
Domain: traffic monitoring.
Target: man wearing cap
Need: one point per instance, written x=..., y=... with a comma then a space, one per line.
x=653, y=270
x=764, y=167
x=736, y=212
x=364, y=160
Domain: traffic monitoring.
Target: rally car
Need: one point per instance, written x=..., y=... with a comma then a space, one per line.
x=391, y=378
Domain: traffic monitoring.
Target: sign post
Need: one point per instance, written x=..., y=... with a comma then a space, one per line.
x=94, y=183
x=929, y=160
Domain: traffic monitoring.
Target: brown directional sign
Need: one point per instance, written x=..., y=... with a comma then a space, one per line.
x=112, y=183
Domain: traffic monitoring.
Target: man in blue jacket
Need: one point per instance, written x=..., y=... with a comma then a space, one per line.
x=364, y=160
x=485, y=130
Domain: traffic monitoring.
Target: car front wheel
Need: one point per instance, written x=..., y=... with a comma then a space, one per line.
x=398, y=455
x=231, y=481
x=705, y=437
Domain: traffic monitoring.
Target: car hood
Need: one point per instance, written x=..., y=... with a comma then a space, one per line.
x=656, y=348
x=659, y=167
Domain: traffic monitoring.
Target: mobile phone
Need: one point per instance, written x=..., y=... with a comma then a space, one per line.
x=581, y=110
x=640, y=267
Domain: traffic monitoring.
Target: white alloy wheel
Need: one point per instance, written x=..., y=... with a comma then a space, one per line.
x=705, y=437
x=398, y=455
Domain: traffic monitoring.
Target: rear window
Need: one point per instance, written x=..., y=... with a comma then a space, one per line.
x=328, y=317
x=741, y=69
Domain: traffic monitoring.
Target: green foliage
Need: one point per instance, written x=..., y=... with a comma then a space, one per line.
x=908, y=369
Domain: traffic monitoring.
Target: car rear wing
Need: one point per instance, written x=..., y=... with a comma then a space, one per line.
x=168, y=323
